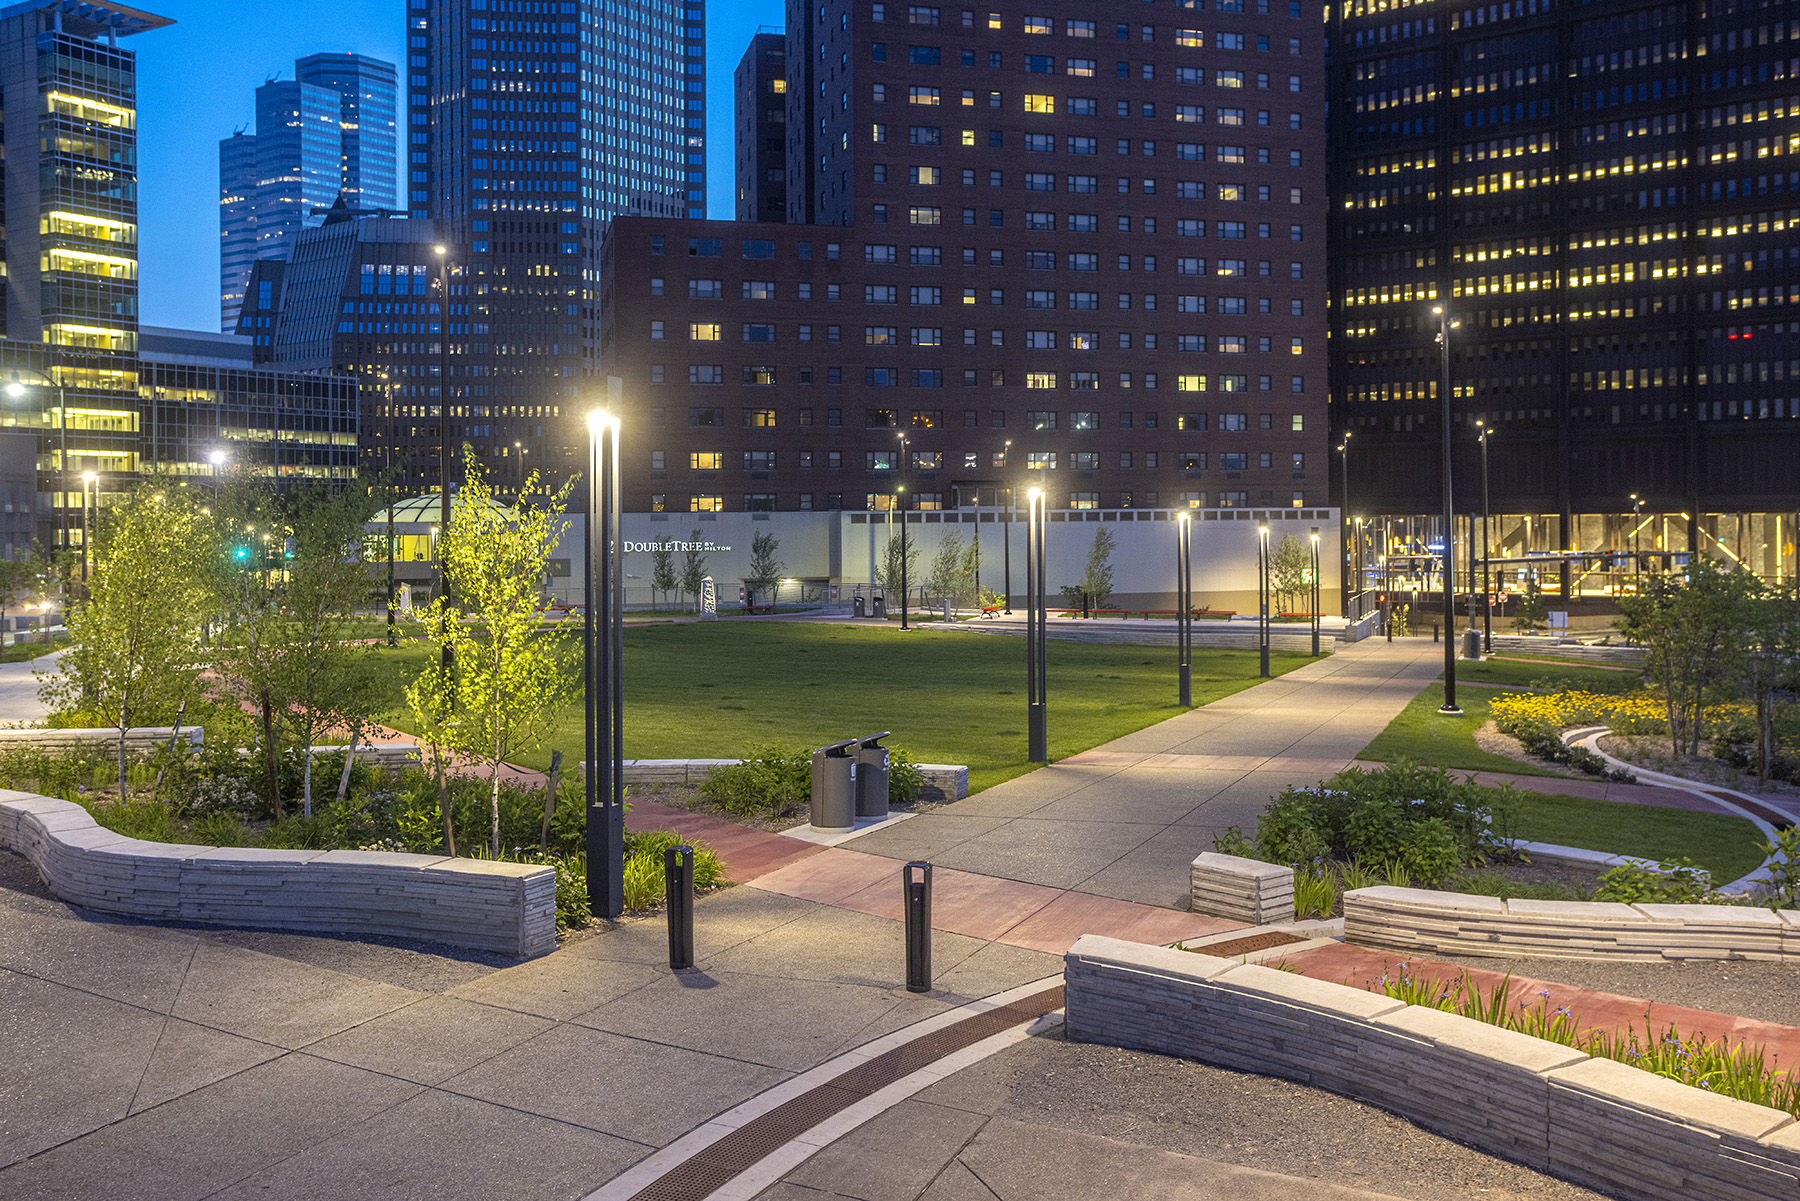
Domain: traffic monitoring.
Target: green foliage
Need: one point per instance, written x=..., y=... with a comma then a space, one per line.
x=1232, y=841
x=1531, y=615
x=693, y=566
x=1431, y=851
x=1293, y=829
x=1678, y=882
x=773, y=781
x=1290, y=571
x=1784, y=868
x=890, y=574
x=1315, y=893
x=1741, y=1071
x=906, y=783
x=1695, y=638
x=765, y=568
x=662, y=569
x=1376, y=831
x=646, y=869
x=1096, y=582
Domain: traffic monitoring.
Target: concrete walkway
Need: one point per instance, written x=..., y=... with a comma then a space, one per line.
x=19, y=690
x=1125, y=819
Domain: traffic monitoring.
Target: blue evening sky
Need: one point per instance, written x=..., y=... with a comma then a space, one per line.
x=196, y=83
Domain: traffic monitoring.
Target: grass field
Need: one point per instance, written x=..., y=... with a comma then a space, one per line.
x=1420, y=733
x=713, y=691
x=1572, y=675
x=1724, y=845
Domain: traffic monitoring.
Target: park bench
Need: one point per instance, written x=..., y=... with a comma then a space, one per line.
x=992, y=610
x=1120, y=613
x=1149, y=613
x=753, y=610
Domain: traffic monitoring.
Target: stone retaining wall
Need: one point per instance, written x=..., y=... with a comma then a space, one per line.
x=474, y=903
x=943, y=781
x=1449, y=923
x=138, y=738
x=1248, y=890
x=1599, y=1123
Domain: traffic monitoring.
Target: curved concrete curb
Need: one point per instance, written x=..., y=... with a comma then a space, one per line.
x=1452, y=923
x=1595, y=1121
x=473, y=903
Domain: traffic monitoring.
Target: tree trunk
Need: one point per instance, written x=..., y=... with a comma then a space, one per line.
x=123, y=726
x=1765, y=736
x=494, y=803
x=156, y=789
x=444, y=809
x=306, y=781
x=269, y=757
x=349, y=758
x=550, y=800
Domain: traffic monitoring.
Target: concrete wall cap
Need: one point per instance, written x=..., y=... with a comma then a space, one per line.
x=1717, y=915
x=489, y=867
x=1341, y=999
x=1587, y=911
x=1791, y=917
x=378, y=859
x=255, y=855
x=93, y=839
x=137, y=848
x=1522, y=1051
x=1618, y=1083
x=1140, y=957
x=25, y=802
x=1426, y=896
x=1240, y=865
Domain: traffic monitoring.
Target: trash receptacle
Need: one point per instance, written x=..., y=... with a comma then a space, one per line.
x=872, y=777
x=834, y=786
x=878, y=608
x=857, y=608
x=1472, y=643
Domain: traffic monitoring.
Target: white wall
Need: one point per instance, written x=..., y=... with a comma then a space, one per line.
x=846, y=548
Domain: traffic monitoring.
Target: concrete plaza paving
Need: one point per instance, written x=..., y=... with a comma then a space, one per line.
x=1126, y=819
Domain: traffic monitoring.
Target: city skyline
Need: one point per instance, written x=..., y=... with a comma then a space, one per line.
x=185, y=117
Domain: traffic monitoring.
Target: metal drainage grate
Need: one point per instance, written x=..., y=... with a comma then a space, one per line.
x=1244, y=946
x=712, y=1167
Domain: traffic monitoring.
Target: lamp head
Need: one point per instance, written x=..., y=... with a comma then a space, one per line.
x=15, y=389
x=88, y=477
x=599, y=420
x=440, y=250
x=1437, y=310
x=1034, y=494
x=217, y=457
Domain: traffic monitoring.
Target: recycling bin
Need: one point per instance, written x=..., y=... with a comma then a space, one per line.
x=858, y=608
x=834, y=786
x=872, y=777
x=879, y=609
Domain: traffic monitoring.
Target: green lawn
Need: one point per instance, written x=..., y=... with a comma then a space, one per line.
x=1572, y=675
x=1425, y=736
x=712, y=691
x=1727, y=846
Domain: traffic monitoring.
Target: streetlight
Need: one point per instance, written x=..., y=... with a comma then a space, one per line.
x=900, y=499
x=604, y=649
x=1315, y=592
x=1262, y=596
x=1184, y=615
x=1449, y=707
x=1006, y=466
x=1349, y=528
x=1487, y=567
x=16, y=389
x=88, y=480
x=444, y=442
x=1637, y=562
x=1037, y=737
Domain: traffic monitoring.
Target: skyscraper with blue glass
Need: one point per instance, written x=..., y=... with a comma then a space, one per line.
x=531, y=124
x=326, y=132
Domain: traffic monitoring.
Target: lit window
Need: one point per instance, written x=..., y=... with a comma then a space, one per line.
x=1038, y=103
x=704, y=331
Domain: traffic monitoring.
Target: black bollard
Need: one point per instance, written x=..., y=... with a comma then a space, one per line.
x=918, y=927
x=678, y=868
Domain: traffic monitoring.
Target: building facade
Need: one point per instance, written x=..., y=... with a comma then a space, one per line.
x=759, y=88
x=1604, y=195
x=1044, y=249
x=360, y=296
x=531, y=123
x=309, y=148
x=70, y=318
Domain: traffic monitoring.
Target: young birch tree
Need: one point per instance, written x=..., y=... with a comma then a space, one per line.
x=662, y=571
x=510, y=675
x=136, y=655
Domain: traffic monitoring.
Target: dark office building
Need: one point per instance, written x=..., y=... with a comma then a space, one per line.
x=760, y=87
x=1604, y=195
x=531, y=124
x=1048, y=249
x=360, y=297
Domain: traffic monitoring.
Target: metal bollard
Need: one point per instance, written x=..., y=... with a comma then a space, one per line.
x=678, y=868
x=1434, y=631
x=918, y=927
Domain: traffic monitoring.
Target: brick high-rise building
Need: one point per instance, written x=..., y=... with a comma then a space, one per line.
x=1049, y=249
x=1605, y=195
x=759, y=85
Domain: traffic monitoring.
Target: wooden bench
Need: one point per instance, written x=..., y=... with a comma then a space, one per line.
x=1149, y=613
x=992, y=610
x=1121, y=613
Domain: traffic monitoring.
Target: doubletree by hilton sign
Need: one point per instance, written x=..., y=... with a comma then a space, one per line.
x=678, y=547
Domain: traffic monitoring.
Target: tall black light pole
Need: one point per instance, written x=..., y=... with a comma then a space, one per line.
x=1315, y=593
x=1184, y=608
x=444, y=440
x=1262, y=597
x=1352, y=582
x=900, y=500
x=1449, y=707
x=1037, y=692
x=1637, y=563
x=16, y=389
x=605, y=842
x=393, y=499
x=1487, y=568
x=1006, y=465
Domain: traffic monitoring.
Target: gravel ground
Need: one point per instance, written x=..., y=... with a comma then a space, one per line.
x=1769, y=992
x=1234, y=1118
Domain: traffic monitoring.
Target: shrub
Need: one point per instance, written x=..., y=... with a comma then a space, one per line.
x=1293, y=829
x=1376, y=830
x=773, y=781
x=1784, y=868
x=1231, y=841
x=1678, y=882
x=906, y=783
x=646, y=871
x=1431, y=852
